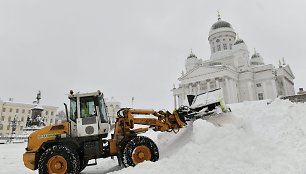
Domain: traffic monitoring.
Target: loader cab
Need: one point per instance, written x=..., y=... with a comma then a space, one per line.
x=88, y=116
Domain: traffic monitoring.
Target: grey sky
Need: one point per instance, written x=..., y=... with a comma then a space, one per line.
x=132, y=48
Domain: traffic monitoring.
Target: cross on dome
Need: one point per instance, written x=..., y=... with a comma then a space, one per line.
x=219, y=16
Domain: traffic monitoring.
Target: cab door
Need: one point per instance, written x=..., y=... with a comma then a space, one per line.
x=104, y=125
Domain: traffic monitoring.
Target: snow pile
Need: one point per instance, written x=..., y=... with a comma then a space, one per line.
x=254, y=138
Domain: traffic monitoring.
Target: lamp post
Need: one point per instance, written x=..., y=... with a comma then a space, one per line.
x=14, y=123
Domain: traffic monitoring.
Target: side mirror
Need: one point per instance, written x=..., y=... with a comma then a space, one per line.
x=66, y=109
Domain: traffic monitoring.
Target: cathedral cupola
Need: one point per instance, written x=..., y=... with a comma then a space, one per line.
x=220, y=24
x=191, y=62
x=239, y=41
x=240, y=45
x=221, y=39
x=241, y=52
x=191, y=55
x=256, y=59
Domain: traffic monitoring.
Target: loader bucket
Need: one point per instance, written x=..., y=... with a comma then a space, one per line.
x=206, y=103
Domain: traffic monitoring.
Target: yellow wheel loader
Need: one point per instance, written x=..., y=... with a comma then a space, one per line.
x=67, y=147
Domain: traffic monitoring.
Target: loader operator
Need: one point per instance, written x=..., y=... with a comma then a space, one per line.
x=87, y=109
x=84, y=110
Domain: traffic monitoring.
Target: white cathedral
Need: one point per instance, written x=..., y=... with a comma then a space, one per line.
x=242, y=78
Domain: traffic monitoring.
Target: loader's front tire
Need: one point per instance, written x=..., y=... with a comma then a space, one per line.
x=58, y=160
x=138, y=150
x=83, y=164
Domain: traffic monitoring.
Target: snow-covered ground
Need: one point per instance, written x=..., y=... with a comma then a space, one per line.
x=254, y=138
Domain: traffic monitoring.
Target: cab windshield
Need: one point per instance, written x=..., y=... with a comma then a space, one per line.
x=88, y=108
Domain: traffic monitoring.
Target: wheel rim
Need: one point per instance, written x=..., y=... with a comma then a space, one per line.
x=141, y=154
x=57, y=164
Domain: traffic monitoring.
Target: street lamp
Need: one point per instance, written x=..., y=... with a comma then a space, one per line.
x=14, y=123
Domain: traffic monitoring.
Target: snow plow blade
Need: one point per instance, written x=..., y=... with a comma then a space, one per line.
x=208, y=103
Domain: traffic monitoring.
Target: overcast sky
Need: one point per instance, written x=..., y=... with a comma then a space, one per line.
x=132, y=48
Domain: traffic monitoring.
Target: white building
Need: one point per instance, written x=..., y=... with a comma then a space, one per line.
x=113, y=107
x=21, y=112
x=231, y=68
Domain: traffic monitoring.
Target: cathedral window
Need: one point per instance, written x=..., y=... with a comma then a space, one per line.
x=225, y=46
x=218, y=40
x=3, y=109
x=229, y=39
x=219, y=47
x=1, y=126
x=212, y=86
x=230, y=46
x=258, y=85
x=203, y=87
x=260, y=96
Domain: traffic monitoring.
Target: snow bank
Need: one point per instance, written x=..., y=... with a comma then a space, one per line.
x=254, y=138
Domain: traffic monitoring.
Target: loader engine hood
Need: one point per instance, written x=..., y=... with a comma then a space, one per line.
x=37, y=138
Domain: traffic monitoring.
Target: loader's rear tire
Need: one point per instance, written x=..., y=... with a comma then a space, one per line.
x=138, y=150
x=58, y=160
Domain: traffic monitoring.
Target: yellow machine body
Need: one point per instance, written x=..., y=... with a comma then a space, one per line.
x=37, y=138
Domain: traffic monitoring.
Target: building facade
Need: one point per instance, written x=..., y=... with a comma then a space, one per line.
x=241, y=77
x=16, y=114
x=113, y=106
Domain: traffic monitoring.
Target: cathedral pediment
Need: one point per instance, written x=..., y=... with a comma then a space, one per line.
x=289, y=71
x=202, y=70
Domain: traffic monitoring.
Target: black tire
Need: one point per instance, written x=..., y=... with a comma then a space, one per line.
x=83, y=164
x=121, y=146
x=58, y=160
x=139, y=149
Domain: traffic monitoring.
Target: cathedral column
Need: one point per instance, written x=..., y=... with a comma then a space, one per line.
x=234, y=91
x=190, y=88
x=199, y=88
x=285, y=86
x=251, y=97
x=228, y=96
x=174, y=101
x=217, y=83
x=208, y=85
x=266, y=93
